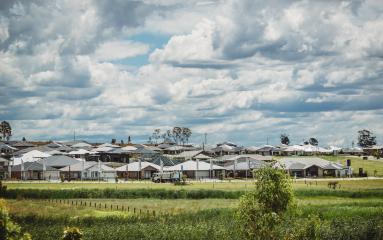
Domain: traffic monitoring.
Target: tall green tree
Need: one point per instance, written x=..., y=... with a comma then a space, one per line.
x=366, y=138
x=5, y=130
x=177, y=134
x=285, y=139
x=186, y=134
x=260, y=211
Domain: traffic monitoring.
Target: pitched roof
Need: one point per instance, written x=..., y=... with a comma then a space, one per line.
x=23, y=144
x=165, y=160
x=81, y=145
x=306, y=162
x=192, y=166
x=243, y=157
x=135, y=166
x=39, y=148
x=188, y=154
x=59, y=161
x=254, y=164
x=31, y=156
x=79, y=152
x=108, y=145
x=78, y=167
x=32, y=166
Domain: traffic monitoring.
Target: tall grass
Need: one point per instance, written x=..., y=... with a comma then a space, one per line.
x=169, y=194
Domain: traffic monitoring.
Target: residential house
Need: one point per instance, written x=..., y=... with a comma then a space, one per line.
x=34, y=171
x=312, y=167
x=198, y=169
x=138, y=170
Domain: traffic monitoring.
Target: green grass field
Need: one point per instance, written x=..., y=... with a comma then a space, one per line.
x=370, y=166
x=354, y=209
x=186, y=219
x=227, y=186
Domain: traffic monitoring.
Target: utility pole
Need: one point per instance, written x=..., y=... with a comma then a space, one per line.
x=205, y=138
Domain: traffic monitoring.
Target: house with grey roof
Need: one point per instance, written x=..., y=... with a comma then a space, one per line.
x=198, y=169
x=244, y=169
x=312, y=167
x=34, y=171
x=58, y=161
x=88, y=170
x=138, y=170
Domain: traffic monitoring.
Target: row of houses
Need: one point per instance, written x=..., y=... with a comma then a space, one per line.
x=82, y=160
x=64, y=167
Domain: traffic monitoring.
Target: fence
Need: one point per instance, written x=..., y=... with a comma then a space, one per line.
x=104, y=206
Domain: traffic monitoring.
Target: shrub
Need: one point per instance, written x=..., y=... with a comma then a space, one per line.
x=8, y=229
x=261, y=211
x=72, y=233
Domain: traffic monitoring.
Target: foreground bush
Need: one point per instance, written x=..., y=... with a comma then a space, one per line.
x=72, y=233
x=260, y=211
x=8, y=229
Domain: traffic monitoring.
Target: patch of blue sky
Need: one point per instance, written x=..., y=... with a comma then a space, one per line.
x=153, y=40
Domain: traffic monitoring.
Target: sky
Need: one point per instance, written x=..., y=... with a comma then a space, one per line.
x=243, y=71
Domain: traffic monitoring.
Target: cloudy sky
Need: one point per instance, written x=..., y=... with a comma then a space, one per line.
x=242, y=70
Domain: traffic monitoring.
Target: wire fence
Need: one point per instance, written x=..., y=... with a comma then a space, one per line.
x=105, y=206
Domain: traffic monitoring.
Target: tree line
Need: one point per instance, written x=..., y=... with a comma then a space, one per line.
x=177, y=135
x=366, y=138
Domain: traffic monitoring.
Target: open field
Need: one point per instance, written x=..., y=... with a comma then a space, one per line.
x=193, y=211
x=354, y=184
x=191, y=219
x=369, y=166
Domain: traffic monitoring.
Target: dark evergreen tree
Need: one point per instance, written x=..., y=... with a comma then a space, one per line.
x=366, y=138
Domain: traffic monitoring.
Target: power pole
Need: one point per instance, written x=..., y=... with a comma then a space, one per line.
x=205, y=138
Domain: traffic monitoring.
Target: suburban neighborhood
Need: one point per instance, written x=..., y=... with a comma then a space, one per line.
x=81, y=160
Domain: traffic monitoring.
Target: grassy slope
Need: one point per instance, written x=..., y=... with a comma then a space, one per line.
x=356, y=162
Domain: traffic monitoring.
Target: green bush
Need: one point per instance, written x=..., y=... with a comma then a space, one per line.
x=72, y=233
x=8, y=229
x=260, y=211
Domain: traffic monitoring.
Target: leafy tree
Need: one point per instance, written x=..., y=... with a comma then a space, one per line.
x=186, y=134
x=313, y=141
x=261, y=211
x=366, y=138
x=285, y=139
x=167, y=136
x=24, y=140
x=113, y=141
x=156, y=135
x=5, y=130
x=177, y=134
